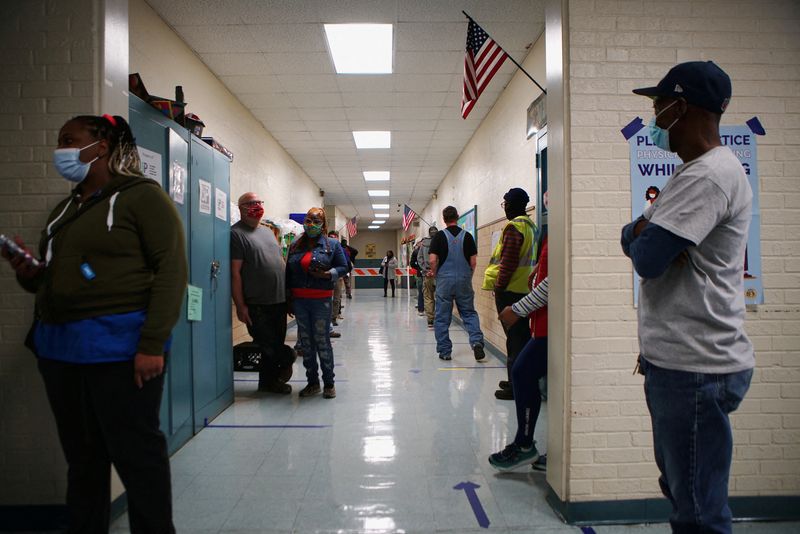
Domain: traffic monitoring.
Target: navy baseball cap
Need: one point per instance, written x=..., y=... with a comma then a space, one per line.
x=700, y=83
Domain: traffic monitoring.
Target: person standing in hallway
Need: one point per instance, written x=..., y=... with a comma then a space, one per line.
x=529, y=366
x=429, y=282
x=314, y=264
x=336, y=307
x=109, y=289
x=258, y=287
x=418, y=278
x=389, y=265
x=689, y=248
x=507, y=275
x=351, y=254
x=453, y=256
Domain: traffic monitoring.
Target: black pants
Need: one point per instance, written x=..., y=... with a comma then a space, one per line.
x=103, y=418
x=518, y=335
x=269, y=331
x=386, y=285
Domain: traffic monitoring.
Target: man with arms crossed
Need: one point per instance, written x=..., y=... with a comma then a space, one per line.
x=258, y=286
x=689, y=249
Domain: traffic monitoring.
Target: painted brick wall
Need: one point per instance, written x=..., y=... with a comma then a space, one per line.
x=47, y=70
x=614, y=47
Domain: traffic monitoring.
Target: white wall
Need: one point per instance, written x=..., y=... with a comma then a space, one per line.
x=260, y=164
x=614, y=47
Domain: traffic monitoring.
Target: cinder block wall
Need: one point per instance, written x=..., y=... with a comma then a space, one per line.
x=614, y=47
x=47, y=72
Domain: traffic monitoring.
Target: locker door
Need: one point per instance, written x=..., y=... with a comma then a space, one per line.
x=202, y=259
x=222, y=291
x=157, y=135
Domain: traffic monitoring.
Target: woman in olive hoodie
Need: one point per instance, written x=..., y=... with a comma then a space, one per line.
x=109, y=287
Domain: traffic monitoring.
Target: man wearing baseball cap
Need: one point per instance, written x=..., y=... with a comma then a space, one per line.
x=689, y=249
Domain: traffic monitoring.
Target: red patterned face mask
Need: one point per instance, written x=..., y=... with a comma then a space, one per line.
x=255, y=212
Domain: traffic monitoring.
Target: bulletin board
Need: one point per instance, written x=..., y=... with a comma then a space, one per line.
x=469, y=222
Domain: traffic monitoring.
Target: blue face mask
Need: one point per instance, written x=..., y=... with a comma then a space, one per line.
x=660, y=136
x=67, y=162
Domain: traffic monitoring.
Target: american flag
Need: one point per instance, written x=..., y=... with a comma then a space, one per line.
x=408, y=216
x=352, y=227
x=483, y=58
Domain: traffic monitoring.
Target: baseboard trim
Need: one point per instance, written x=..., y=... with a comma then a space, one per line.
x=30, y=518
x=636, y=511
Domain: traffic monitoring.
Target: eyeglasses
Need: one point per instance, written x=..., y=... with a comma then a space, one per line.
x=252, y=203
x=503, y=205
x=312, y=220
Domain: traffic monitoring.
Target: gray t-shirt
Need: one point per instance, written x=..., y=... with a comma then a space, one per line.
x=263, y=268
x=691, y=318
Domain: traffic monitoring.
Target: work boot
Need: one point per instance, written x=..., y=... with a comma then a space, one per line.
x=310, y=390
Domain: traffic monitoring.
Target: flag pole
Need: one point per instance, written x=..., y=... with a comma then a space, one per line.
x=514, y=61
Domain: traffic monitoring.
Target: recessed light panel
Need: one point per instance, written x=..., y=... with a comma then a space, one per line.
x=373, y=227
x=360, y=48
x=376, y=176
x=381, y=215
x=378, y=222
x=380, y=206
x=373, y=139
x=378, y=192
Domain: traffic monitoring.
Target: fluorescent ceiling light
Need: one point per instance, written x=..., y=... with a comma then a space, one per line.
x=360, y=48
x=378, y=192
x=380, y=206
x=373, y=227
x=381, y=215
x=376, y=176
x=373, y=139
x=378, y=222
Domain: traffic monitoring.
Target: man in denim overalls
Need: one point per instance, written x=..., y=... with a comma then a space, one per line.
x=452, y=261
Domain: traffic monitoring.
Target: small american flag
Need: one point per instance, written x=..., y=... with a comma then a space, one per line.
x=352, y=227
x=483, y=58
x=408, y=216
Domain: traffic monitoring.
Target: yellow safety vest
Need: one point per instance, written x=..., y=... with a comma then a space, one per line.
x=519, y=280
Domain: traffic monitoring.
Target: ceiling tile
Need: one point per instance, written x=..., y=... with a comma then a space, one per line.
x=218, y=39
x=236, y=63
x=252, y=84
x=309, y=83
x=316, y=100
x=300, y=62
x=288, y=37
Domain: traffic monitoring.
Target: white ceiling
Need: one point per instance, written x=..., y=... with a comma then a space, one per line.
x=273, y=55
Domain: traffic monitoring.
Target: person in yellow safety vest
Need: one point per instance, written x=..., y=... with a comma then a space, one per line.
x=507, y=274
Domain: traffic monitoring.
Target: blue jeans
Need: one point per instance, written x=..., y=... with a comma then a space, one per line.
x=693, y=442
x=313, y=318
x=448, y=290
x=529, y=366
x=420, y=295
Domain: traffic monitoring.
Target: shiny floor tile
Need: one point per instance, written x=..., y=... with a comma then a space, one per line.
x=386, y=456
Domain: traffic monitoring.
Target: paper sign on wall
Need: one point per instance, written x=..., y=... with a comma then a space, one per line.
x=194, y=308
x=177, y=182
x=235, y=215
x=205, y=197
x=221, y=203
x=151, y=164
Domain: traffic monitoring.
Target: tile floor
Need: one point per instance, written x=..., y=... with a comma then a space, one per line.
x=383, y=456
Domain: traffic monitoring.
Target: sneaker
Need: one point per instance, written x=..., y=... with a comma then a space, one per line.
x=504, y=394
x=329, y=392
x=421, y=313
x=513, y=456
x=335, y=323
x=446, y=357
x=540, y=464
x=277, y=387
x=430, y=324
x=349, y=296
x=504, y=384
x=310, y=390
x=336, y=334
x=477, y=350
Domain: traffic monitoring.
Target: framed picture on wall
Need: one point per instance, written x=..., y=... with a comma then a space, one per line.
x=469, y=222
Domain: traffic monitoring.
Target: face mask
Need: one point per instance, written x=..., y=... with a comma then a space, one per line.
x=660, y=136
x=67, y=162
x=312, y=230
x=255, y=212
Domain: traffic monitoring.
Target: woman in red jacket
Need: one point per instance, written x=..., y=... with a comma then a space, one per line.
x=529, y=367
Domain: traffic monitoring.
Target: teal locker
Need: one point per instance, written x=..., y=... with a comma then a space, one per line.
x=210, y=253
x=222, y=239
x=159, y=135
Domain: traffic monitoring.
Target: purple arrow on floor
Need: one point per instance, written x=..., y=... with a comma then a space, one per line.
x=469, y=488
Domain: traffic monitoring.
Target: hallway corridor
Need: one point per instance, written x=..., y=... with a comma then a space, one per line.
x=383, y=456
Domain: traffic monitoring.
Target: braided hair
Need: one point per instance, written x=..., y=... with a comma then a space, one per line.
x=124, y=159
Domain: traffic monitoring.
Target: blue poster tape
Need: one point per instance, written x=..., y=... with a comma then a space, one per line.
x=477, y=508
x=588, y=530
x=632, y=127
x=755, y=126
